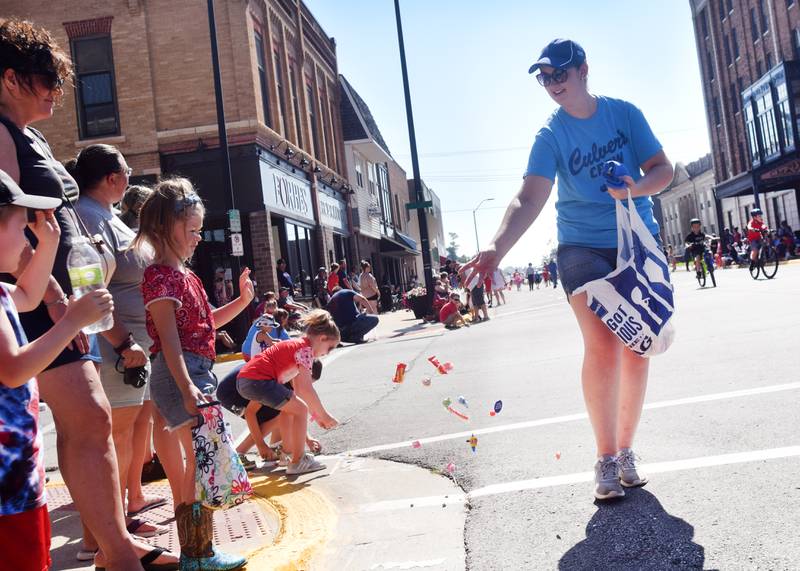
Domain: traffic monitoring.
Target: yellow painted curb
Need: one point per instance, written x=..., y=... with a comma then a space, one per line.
x=308, y=520
x=228, y=357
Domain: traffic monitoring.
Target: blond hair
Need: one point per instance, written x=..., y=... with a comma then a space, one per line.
x=319, y=322
x=173, y=200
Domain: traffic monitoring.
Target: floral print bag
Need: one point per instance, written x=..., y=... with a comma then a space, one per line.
x=220, y=479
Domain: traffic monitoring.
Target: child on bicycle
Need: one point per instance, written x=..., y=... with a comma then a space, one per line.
x=696, y=242
x=755, y=233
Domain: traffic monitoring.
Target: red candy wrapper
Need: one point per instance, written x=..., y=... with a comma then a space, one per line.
x=399, y=373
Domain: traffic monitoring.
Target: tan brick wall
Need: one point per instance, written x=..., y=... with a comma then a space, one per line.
x=163, y=73
x=262, y=247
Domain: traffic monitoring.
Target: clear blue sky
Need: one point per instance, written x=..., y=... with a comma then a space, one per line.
x=476, y=109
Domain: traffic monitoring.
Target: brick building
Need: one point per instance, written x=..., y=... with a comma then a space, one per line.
x=748, y=52
x=144, y=83
x=381, y=223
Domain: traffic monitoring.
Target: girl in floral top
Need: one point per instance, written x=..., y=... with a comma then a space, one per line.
x=182, y=325
x=263, y=381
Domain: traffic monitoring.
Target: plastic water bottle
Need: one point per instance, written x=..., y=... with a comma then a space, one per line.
x=86, y=274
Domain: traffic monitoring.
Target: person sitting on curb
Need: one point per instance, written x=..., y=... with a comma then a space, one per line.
x=287, y=302
x=268, y=418
x=351, y=321
x=450, y=314
x=265, y=332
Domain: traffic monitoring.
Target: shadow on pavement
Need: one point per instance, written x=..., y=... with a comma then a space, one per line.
x=635, y=533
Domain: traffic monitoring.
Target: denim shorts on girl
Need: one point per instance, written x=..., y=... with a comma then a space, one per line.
x=268, y=392
x=165, y=392
x=578, y=265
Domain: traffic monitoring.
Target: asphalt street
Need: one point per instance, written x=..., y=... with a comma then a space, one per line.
x=719, y=432
x=730, y=503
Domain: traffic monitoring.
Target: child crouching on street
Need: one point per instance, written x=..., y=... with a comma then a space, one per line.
x=268, y=418
x=450, y=314
x=24, y=523
x=263, y=382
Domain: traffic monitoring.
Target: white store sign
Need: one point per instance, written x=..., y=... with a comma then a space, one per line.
x=333, y=212
x=286, y=194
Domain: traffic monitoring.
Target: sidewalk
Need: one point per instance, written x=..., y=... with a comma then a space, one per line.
x=340, y=518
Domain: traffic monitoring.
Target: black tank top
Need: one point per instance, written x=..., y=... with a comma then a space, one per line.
x=42, y=175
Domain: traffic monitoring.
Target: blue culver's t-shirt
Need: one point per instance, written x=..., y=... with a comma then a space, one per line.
x=574, y=150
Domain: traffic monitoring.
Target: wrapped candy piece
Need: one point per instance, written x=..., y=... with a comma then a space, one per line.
x=399, y=373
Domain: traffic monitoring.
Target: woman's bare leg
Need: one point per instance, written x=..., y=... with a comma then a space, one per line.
x=633, y=385
x=87, y=458
x=600, y=375
x=140, y=444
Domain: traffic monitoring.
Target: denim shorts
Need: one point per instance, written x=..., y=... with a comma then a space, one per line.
x=165, y=393
x=268, y=392
x=578, y=265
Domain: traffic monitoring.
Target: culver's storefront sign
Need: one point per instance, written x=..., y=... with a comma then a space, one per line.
x=285, y=194
x=332, y=212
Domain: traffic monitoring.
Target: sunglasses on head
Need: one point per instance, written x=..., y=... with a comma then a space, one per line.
x=558, y=76
x=186, y=202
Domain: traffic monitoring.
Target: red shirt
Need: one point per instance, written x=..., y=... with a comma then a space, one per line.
x=447, y=310
x=333, y=281
x=192, y=315
x=280, y=362
x=754, y=229
x=487, y=284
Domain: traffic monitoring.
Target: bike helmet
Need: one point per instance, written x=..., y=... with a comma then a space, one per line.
x=756, y=212
x=694, y=221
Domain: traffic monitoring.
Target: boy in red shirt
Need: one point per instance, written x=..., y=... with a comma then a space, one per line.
x=754, y=233
x=450, y=314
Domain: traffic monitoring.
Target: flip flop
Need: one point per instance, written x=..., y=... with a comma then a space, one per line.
x=148, y=565
x=148, y=506
x=135, y=524
x=86, y=554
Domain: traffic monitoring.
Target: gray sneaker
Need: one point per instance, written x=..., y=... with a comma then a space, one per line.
x=629, y=475
x=606, y=479
x=306, y=464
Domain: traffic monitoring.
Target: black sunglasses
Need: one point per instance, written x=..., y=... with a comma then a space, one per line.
x=558, y=76
x=50, y=80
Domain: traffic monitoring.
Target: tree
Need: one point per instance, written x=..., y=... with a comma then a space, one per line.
x=452, y=247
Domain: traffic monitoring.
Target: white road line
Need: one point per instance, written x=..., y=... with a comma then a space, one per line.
x=409, y=564
x=510, y=313
x=577, y=416
x=582, y=477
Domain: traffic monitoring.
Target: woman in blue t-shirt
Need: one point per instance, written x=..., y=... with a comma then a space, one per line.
x=583, y=133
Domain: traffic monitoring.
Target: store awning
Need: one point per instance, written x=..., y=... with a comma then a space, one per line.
x=741, y=185
x=400, y=245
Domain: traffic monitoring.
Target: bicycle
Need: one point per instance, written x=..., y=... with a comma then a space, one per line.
x=767, y=262
x=706, y=267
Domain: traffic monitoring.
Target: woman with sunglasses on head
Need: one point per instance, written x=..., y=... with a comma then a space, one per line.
x=102, y=175
x=583, y=133
x=33, y=69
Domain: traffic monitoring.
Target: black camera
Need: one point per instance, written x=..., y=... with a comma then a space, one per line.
x=133, y=376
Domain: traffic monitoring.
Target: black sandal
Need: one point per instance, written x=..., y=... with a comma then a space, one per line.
x=148, y=565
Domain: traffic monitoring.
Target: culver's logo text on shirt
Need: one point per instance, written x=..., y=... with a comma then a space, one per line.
x=599, y=154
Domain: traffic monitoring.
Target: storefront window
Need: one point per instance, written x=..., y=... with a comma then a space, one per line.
x=785, y=113
x=750, y=126
x=766, y=121
x=300, y=256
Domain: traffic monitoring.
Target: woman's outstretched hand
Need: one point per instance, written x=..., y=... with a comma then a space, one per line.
x=478, y=268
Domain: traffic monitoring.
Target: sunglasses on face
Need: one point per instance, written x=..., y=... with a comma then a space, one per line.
x=558, y=76
x=50, y=80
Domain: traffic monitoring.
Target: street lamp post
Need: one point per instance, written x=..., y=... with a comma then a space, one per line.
x=475, y=221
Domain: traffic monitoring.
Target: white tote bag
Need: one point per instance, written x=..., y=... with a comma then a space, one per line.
x=635, y=301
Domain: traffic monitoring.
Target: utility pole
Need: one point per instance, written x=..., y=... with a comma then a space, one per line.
x=222, y=135
x=418, y=195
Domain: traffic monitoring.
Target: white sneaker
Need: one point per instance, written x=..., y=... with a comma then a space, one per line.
x=306, y=465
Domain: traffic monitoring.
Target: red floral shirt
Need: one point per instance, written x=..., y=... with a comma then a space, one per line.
x=192, y=315
x=281, y=362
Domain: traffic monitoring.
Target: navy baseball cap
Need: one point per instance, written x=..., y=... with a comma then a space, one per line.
x=11, y=193
x=560, y=53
